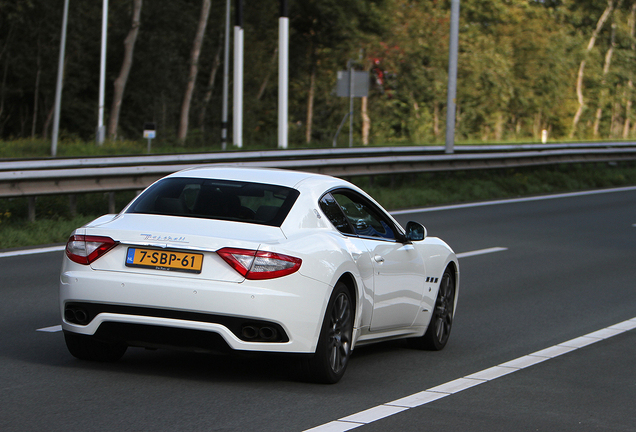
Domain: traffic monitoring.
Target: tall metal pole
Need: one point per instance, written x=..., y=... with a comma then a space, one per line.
x=58, y=88
x=101, y=129
x=283, y=73
x=452, y=77
x=238, y=76
x=351, y=93
x=226, y=75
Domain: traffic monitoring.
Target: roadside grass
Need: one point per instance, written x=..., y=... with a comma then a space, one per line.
x=40, y=232
x=431, y=189
x=54, y=220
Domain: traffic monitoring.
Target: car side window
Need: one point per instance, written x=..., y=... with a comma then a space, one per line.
x=335, y=215
x=365, y=218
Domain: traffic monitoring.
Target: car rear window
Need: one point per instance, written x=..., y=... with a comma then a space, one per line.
x=256, y=203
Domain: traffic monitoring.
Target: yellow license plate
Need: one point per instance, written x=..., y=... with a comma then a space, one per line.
x=164, y=260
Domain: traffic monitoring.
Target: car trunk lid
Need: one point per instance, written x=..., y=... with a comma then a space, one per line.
x=168, y=245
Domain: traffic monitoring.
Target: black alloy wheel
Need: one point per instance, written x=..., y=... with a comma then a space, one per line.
x=334, y=345
x=439, y=328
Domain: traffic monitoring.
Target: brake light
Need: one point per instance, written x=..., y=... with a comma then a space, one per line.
x=84, y=249
x=259, y=264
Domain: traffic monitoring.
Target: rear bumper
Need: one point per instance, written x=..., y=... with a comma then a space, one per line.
x=293, y=306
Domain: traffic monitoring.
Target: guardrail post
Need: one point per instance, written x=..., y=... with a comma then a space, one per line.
x=111, y=202
x=72, y=205
x=31, y=201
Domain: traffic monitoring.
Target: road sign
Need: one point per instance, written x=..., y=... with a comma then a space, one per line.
x=150, y=130
x=360, y=84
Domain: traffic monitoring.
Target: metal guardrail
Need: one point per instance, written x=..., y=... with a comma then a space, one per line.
x=108, y=174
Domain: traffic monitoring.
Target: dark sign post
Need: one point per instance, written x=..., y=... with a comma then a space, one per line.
x=149, y=133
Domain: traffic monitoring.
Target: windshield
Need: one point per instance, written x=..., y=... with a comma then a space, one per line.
x=217, y=199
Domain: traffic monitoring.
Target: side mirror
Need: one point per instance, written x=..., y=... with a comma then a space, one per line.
x=415, y=231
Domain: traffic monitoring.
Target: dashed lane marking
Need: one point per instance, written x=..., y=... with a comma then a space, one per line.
x=32, y=251
x=52, y=329
x=481, y=252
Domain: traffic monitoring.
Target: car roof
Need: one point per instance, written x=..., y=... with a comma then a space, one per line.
x=256, y=175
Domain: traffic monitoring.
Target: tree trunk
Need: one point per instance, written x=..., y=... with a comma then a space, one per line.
x=581, y=73
x=194, y=70
x=36, y=96
x=615, y=125
x=210, y=89
x=366, y=122
x=2, y=94
x=630, y=83
x=499, y=125
x=120, y=82
x=310, y=104
x=436, y=120
x=603, y=95
x=536, y=126
x=261, y=91
x=47, y=122
x=49, y=117
x=628, y=108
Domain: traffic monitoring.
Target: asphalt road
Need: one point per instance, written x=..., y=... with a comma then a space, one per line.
x=567, y=270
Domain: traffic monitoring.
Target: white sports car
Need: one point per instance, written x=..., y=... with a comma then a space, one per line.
x=255, y=260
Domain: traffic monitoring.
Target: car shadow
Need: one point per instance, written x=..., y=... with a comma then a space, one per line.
x=232, y=367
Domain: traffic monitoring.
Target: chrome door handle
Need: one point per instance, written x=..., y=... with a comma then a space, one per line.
x=378, y=259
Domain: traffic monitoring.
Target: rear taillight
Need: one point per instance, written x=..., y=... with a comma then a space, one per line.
x=259, y=264
x=86, y=249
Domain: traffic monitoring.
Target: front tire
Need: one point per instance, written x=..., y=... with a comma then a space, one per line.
x=330, y=361
x=439, y=328
x=86, y=347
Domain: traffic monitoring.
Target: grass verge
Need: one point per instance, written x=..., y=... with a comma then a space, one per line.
x=430, y=189
x=55, y=222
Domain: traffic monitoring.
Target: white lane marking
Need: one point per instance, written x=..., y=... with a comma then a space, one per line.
x=481, y=252
x=514, y=200
x=52, y=329
x=32, y=251
x=374, y=414
x=418, y=399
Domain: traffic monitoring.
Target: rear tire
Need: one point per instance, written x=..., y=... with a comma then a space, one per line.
x=439, y=328
x=330, y=361
x=86, y=347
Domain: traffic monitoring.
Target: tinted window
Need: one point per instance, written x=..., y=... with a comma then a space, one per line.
x=334, y=213
x=367, y=220
x=217, y=199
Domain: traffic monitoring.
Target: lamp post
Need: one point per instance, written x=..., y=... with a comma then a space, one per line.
x=226, y=75
x=238, y=76
x=58, y=87
x=283, y=73
x=101, y=129
x=452, y=77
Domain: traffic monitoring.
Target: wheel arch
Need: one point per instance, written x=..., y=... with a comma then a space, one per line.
x=356, y=294
x=350, y=282
x=453, y=265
